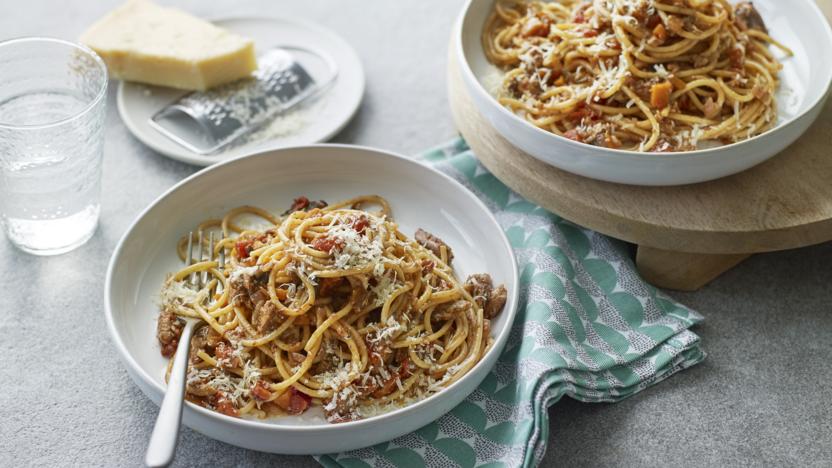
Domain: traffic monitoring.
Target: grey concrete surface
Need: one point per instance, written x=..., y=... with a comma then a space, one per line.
x=761, y=398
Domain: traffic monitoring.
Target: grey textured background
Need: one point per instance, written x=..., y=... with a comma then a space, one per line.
x=761, y=398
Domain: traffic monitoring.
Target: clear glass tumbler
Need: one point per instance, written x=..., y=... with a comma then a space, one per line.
x=53, y=95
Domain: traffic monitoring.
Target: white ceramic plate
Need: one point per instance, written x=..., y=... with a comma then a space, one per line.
x=419, y=196
x=806, y=80
x=318, y=120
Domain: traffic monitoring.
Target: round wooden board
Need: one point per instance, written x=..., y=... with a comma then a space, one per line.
x=781, y=204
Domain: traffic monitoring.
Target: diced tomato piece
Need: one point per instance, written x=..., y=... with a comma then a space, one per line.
x=325, y=244
x=224, y=405
x=583, y=112
x=535, y=27
x=304, y=204
x=404, y=370
x=243, y=249
x=293, y=401
x=260, y=390
x=590, y=33
x=360, y=224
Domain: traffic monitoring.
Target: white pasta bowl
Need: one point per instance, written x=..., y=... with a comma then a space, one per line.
x=419, y=196
x=805, y=85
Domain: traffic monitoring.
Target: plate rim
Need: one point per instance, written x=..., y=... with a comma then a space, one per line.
x=195, y=159
x=473, y=81
x=137, y=371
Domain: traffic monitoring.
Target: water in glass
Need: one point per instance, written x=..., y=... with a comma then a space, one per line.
x=50, y=158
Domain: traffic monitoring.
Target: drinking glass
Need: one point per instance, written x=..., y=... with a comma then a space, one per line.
x=52, y=106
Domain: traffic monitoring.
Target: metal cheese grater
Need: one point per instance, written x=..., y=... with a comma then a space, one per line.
x=205, y=122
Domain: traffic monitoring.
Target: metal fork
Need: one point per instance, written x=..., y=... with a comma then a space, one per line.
x=162, y=446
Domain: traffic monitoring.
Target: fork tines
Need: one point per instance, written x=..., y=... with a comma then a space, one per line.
x=201, y=279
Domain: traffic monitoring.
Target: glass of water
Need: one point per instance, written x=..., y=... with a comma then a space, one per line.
x=52, y=106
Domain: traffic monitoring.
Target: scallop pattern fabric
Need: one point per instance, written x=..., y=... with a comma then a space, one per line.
x=588, y=327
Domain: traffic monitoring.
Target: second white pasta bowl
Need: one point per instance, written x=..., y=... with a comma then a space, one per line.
x=806, y=80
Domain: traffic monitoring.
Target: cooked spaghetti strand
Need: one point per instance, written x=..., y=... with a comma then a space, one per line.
x=328, y=306
x=643, y=75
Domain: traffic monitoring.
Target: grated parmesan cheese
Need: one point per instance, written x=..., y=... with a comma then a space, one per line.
x=178, y=292
x=288, y=124
x=239, y=272
x=343, y=394
x=379, y=334
x=354, y=250
x=383, y=290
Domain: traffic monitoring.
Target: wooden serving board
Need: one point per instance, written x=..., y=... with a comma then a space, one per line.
x=686, y=235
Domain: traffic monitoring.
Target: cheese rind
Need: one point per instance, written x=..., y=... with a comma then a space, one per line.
x=143, y=42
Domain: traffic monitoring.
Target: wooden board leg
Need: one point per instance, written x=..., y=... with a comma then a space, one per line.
x=683, y=271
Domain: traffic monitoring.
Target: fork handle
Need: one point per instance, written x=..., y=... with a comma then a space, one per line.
x=162, y=444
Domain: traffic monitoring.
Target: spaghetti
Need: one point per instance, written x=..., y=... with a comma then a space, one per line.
x=643, y=75
x=328, y=306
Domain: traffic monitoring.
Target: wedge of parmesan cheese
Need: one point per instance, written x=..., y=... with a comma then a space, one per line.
x=143, y=42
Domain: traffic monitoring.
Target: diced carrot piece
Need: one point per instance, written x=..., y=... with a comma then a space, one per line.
x=660, y=33
x=660, y=95
x=281, y=293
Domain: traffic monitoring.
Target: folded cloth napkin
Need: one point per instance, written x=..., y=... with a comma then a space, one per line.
x=588, y=327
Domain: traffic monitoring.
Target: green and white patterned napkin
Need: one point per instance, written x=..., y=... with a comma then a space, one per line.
x=588, y=327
